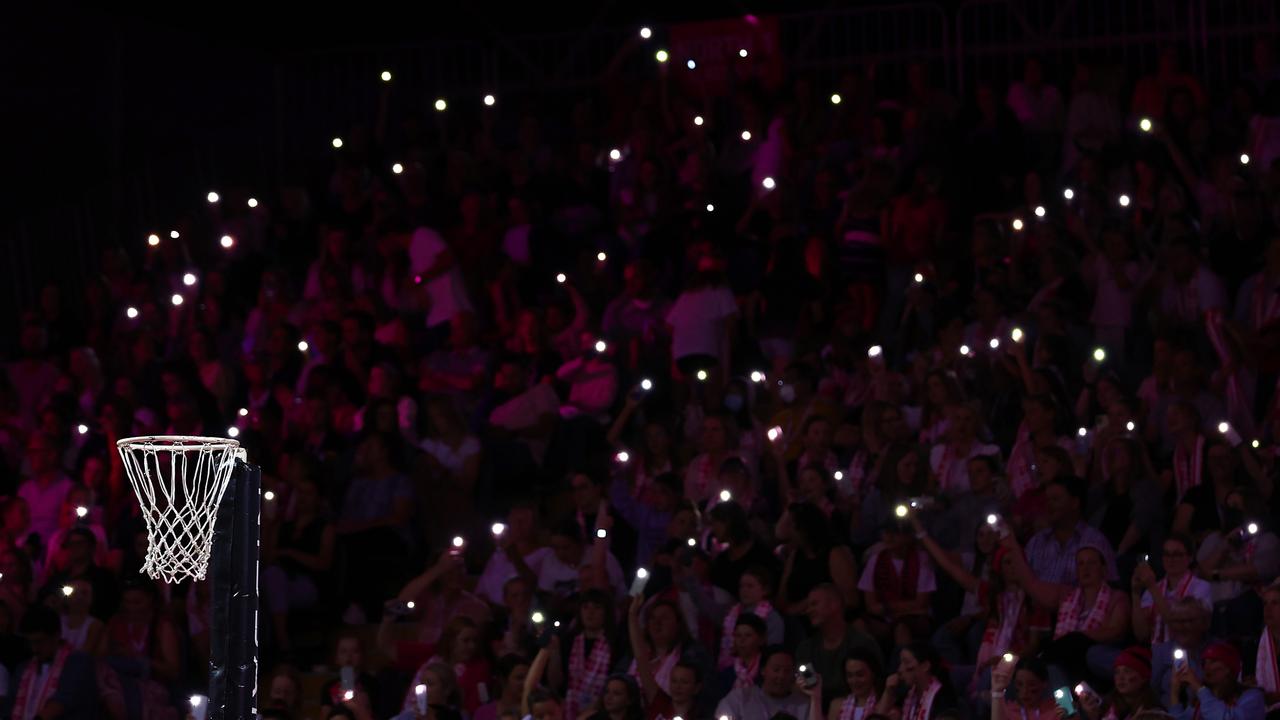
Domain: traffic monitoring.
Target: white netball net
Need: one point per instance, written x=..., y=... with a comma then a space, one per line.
x=179, y=482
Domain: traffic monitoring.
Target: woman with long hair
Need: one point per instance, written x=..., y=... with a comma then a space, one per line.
x=864, y=675
x=1029, y=679
x=619, y=701
x=813, y=557
x=461, y=651
x=927, y=685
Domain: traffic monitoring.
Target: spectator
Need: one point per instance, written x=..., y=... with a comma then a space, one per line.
x=1030, y=687
x=46, y=486
x=929, y=692
x=776, y=695
x=833, y=641
x=1220, y=695
x=300, y=553
x=1052, y=552
x=58, y=681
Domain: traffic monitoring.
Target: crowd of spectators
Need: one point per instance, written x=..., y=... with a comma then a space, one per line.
x=663, y=404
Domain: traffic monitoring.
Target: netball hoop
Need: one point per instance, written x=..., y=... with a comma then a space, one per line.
x=200, y=503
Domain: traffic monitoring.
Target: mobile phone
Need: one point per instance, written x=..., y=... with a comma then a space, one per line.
x=347, y=678
x=199, y=707
x=997, y=523
x=642, y=579
x=806, y=676
x=420, y=697
x=1179, y=658
x=1063, y=698
x=1083, y=690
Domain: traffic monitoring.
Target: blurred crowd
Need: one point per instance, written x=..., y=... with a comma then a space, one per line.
x=784, y=402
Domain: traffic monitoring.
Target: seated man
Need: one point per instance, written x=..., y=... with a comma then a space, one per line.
x=57, y=682
x=775, y=695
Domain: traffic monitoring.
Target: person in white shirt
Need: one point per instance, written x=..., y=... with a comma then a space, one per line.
x=1190, y=288
x=518, y=554
x=432, y=264
x=46, y=486
x=592, y=378
x=561, y=572
x=529, y=412
x=775, y=694
x=701, y=320
x=949, y=460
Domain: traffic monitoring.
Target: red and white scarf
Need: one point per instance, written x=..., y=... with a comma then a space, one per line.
x=1267, y=671
x=745, y=674
x=1071, y=617
x=761, y=610
x=998, y=637
x=27, y=684
x=917, y=706
x=1160, y=630
x=856, y=475
x=1188, y=466
x=1022, y=460
x=851, y=710
x=587, y=675
x=661, y=676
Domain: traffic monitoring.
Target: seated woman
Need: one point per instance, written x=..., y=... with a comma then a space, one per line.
x=1009, y=618
x=929, y=692
x=142, y=653
x=509, y=674
x=619, y=701
x=80, y=630
x=1132, y=692
x=441, y=694
x=459, y=649
x=864, y=676
x=299, y=555
x=1089, y=613
x=1030, y=683
x=1155, y=598
x=1220, y=696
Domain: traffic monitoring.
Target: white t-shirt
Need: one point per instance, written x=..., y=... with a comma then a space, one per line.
x=954, y=478
x=697, y=321
x=926, y=581
x=1112, y=305
x=451, y=459
x=500, y=569
x=1200, y=589
x=562, y=580
x=448, y=292
x=1188, y=302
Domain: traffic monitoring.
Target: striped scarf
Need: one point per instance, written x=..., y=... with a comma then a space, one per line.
x=587, y=675
x=761, y=610
x=1072, y=618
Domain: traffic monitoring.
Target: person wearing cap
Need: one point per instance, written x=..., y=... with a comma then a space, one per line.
x=1132, y=693
x=1220, y=696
